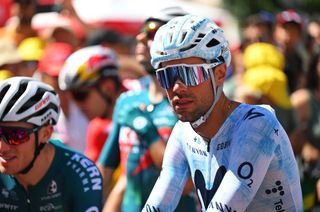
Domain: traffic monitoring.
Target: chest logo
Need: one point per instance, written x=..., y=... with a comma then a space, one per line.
x=205, y=195
x=251, y=114
x=52, y=187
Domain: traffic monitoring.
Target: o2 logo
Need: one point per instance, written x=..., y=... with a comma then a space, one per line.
x=245, y=171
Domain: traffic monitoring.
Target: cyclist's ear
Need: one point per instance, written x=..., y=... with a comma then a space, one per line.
x=45, y=133
x=220, y=73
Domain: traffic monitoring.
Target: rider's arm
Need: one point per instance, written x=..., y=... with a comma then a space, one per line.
x=157, y=151
x=170, y=184
x=114, y=200
x=109, y=158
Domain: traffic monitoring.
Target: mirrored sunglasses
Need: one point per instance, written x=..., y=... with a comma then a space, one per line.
x=190, y=75
x=150, y=28
x=16, y=135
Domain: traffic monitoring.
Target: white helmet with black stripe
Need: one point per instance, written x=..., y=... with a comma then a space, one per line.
x=26, y=99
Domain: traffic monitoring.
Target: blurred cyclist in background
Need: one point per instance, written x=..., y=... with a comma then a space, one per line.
x=91, y=75
x=143, y=121
x=287, y=36
x=72, y=125
x=238, y=155
x=35, y=172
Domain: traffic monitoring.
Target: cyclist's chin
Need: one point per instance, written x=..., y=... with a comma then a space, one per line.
x=8, y=169
x=184, y=116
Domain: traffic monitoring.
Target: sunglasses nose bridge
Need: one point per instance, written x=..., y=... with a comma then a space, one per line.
x=3, y=141
x=178, y=82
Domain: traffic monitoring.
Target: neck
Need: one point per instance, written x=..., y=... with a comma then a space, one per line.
x=219, y=114
x=110, y=106
x=64, y=104
x=40, y=168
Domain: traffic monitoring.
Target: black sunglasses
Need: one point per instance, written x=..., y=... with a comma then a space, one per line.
x=150, y=28
x=80, y=95
x=16, y=135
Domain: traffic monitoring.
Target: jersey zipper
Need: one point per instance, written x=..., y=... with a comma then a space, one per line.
x=28, y=200
x=208, y=146
x=208, y=168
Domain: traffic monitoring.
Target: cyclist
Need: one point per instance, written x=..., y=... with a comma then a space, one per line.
x=37, y=173
x=238, y=155
x=90, y=74
x=143, y=121
x=72, y=125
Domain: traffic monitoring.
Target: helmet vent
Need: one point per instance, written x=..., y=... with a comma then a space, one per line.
x=184, y=34
x=201, y=35
x=170, y=37
x=3, y=92
x=32, y=101
x=22, y=88
x=188, y=47
x=199, y=38
x=212, y=42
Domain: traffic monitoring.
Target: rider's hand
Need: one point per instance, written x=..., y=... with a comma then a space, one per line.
x=140, y=121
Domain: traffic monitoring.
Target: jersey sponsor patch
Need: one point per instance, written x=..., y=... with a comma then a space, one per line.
x=8, y=206
x=205, y=195
x=251, y=114
x=52, y=187
x=87, y=171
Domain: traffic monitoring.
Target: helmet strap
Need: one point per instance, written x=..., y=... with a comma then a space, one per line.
x=37, y=150
x=217, y=94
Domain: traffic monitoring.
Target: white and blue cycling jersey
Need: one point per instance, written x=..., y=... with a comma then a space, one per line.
x=247, y=166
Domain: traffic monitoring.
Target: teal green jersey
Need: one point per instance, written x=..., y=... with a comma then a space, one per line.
x=72, y=183
x=126, y=147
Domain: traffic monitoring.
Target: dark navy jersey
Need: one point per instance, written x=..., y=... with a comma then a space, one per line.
x=72, y=183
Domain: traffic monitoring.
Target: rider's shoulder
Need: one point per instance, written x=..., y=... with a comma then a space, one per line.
x=131, y=96
x=258, y=111
x=257, y=116
x=71, y=161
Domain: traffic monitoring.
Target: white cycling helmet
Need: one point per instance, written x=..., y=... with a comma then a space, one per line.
x=87, y=66
x=190, y=36
x=28, y=100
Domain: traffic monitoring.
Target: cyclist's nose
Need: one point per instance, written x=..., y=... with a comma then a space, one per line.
x=142, y=37
x=3, y=144
x=178, y=86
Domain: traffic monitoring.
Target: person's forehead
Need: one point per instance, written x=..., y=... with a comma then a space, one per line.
x=290, y=26
x=16, y=124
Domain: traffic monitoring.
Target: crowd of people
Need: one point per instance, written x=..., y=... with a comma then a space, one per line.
x=175, y=119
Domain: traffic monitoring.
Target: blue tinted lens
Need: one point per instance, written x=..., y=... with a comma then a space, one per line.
x=167, y=77
x=192, y=76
